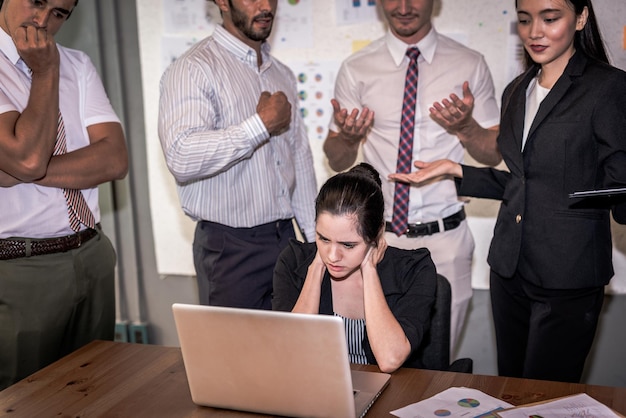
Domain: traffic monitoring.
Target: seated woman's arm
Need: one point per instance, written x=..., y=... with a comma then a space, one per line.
x=409, y=281
x=296, y=287
x=309, y=299
x=387, y=339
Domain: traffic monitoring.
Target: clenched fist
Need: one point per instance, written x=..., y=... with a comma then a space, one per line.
x=37, y=48
x=275, y=112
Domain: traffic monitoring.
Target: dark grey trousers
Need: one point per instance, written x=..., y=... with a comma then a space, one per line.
x=52, y=304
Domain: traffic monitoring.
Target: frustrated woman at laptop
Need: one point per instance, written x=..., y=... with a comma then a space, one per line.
x=383, y=294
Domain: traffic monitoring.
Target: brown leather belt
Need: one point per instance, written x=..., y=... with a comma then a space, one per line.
x=11, y=248
x=429, y=228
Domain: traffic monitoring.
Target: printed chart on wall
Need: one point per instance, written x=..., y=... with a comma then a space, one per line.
x=355, y=11
x=182, y=17
x=189, y=16
x=316, y=81
x=293, y=27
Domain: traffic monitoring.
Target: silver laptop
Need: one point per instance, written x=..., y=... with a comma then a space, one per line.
x=277, y=363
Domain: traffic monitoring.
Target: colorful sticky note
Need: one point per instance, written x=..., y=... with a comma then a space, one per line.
x=356, y=45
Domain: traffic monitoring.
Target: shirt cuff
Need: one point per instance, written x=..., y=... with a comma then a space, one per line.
x=255, y=129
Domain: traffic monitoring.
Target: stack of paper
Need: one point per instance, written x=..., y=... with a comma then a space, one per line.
x=466, y=402
x=454, y=402
x=574, y=406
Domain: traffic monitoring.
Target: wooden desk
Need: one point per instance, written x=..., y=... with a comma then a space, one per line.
x=134, y=380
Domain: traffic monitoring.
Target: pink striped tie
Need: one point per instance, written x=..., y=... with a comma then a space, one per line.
x=77, y=208
x=399, y=221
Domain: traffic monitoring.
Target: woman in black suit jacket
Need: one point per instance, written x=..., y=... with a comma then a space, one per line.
x=563, y=129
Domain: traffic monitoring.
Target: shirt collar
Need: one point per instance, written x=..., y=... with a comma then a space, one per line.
x=7, y=46
x=397, y=48
x=240, y=49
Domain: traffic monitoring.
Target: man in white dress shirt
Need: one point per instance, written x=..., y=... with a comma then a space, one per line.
x=59, y=139
x=367, y=112
x=233, y=138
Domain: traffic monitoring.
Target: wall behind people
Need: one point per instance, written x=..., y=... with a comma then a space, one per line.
x=313, y=38
x=158, y=291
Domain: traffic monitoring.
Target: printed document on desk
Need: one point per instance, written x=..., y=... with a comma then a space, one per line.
x=454, y=402
x=580, y=405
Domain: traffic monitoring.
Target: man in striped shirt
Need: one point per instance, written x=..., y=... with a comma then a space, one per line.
x=234, y=140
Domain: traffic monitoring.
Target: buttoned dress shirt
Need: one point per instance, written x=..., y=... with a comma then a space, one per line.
x=374, y=78
x=33, y=211
x=228, y=169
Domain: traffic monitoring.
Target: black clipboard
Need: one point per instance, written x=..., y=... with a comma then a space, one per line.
x=600, y=192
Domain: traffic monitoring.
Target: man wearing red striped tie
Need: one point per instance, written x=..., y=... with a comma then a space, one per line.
x=59, y=139
x=383, y=99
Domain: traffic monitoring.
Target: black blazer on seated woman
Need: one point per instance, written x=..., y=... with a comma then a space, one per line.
x=576, y=142
x=408, y=279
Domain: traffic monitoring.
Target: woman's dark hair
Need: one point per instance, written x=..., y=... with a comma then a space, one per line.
x=588, y=40
x=355, y=192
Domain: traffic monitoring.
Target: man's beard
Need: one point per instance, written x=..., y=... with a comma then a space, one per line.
x=240, y=20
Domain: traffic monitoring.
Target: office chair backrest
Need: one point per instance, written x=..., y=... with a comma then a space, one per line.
x=435, y=351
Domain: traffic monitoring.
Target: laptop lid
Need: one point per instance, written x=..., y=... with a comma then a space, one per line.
x=277, y=363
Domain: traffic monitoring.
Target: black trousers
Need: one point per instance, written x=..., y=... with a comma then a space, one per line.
x=235, y=266
x=543, y=333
